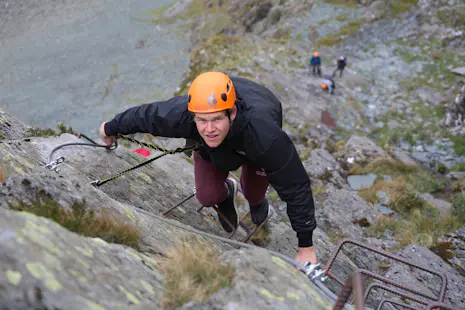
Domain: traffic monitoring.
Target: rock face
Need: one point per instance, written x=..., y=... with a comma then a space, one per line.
x=455, y=115
x=457, y=241
x=425, y=282
x=362, y=149
x=264, y=282
x=322, y=167
x=352, y=218
x=58, y=269
x=10, y=127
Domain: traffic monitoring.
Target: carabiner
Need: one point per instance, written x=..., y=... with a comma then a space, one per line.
x=53, y=166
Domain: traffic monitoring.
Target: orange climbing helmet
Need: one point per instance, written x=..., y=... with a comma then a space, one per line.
x=324, y=86
x=315, y=54
x=211, y=92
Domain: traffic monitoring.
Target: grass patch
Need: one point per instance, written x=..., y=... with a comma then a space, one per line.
x=318, y=190
x=458, y=167
x=418, y=228
x=345, y=31
x=349, y=3
x=262, y=237
x=83, y=221
x=422, y=181
x=192, y=273
x=5, y=171
x=453, y=16
x=459, y=144
x=400, y=6
x=458, y=206
x=272, y=195
x=49, y=132
x=402, y=198
x=369, y=194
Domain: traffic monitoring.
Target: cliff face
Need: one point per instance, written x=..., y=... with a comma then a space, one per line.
x=385, y=156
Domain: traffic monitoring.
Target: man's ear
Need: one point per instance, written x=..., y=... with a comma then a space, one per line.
x=233, y=113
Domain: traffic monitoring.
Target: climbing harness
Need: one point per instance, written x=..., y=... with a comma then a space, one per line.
x=353, y=286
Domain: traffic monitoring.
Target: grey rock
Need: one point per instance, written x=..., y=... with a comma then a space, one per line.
x=363, y=149
x=343, y=209
x=321, y=166
x=383, y=198
x=384, y=210
x=264, y=282
x=11, y=128
x=426, y=282
x=457, y=241
x=58, y=269
x=456, y=175
x=444, y=207
x=459, y=71
x=357, y=182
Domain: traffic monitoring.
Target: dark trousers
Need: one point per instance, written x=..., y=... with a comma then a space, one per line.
x=316, y=69
x=211, y=188
x=338, y=69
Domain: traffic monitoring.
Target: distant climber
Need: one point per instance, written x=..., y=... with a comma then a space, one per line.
x=341, y=64
x=235, y=123
x=328, y=84
x=315, y=63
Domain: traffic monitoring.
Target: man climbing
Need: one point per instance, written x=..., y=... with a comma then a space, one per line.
x=236, y=123
x=328, y=84
x=341, y=64
x=315, y=63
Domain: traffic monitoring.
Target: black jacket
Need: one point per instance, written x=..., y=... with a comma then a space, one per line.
x=256, y=131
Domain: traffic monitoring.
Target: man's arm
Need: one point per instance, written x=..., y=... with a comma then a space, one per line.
x=161, y=118
x=288, y=177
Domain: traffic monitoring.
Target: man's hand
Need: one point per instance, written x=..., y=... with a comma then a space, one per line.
x=106, y=139
x=306, y=255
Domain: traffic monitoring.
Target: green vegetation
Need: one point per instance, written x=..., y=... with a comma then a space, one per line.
x=453, y=16
x=349, y=3
x=48, y=132
x=192, y=272
x=459, y=144
x=418, y=227
x=345, y=31
x=3, y=173
x=422, y=181
x=83, y=221
x=421, y=222
x=458, y=206
x=458, y=167
x=262, y=236
x=400, y=6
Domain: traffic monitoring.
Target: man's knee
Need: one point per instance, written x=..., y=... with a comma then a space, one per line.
x=210, y=197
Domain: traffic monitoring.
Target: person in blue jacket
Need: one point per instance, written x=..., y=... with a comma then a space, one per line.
x=315, y=63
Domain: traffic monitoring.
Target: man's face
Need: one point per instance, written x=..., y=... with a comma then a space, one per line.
x=213, y=127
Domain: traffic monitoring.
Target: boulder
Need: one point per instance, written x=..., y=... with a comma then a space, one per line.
x=322, y=167
x=362, y=150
